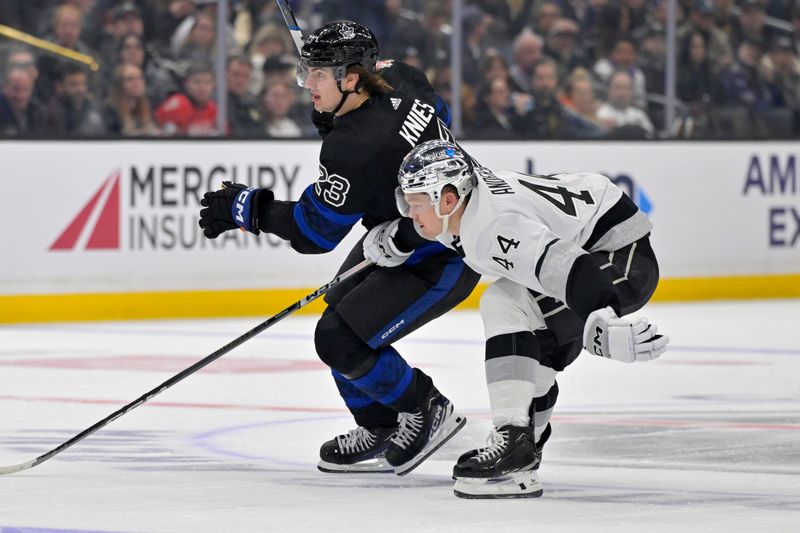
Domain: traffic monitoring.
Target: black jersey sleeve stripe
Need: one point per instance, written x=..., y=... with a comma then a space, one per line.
x=541, y=258
x=320, y=225
x=619, y=212
x=327, y=213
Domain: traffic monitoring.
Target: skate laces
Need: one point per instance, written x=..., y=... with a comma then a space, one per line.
x=356, y=440
x=409, y=428
x=497, y=442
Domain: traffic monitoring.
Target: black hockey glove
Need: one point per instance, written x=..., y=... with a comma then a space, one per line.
x=233, y=206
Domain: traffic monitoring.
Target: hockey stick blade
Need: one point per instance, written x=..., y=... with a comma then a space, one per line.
x=180, y=376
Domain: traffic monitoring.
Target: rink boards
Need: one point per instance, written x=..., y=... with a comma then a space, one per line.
x=109, y=229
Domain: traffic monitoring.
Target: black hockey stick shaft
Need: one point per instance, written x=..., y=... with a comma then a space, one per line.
x=291, y=23
x=188, y=371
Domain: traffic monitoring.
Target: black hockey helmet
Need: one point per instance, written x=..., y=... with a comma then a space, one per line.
x=338, y=44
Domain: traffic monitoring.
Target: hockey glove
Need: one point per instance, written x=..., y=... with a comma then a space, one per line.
x=616, y=338
x=233, y=206
x=379, y=246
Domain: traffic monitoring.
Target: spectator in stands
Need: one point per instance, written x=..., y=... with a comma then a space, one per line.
x=652, y=63
x=697, y=86
x=195, y=38
x=623, y=56
x=495, y=115
x=244, y=117
x=127, y=111
x=169, y=15
x=750, y=24
x=198, y=43
x=493, y=66
x=579, y=97
x=618, y=114
x=271, y=40
x=547, y=118
x=509, y=19
x=562, y=46
x=614, y=22
x=475, y=25
x=429, y=37
x=545, y=16
x=67, y=28
x=402, y=23
x=652, y=59
x=191, y=112
x=20, y=113
x=783, y=68
x=743, y=83
x=160, y=81
x=701, y=19
x=527, y=51
x=24, y=59
x=279, y=69
x=72, y=110
x=277, y=101
x=125, y=19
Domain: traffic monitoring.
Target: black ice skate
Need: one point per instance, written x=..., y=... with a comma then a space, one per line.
x=423, y=432
x=359, y=451
x=504, y=469
x=539, y=445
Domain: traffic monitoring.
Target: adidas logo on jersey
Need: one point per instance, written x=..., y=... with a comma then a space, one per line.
x=395, y=102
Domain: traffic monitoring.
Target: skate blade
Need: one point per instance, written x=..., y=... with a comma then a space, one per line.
x=452, y=425
x=367, y=467
x=518, y=485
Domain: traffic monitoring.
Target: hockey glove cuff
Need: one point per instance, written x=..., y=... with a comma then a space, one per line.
x=233, y=206
x=616, y=338
x=380, y=248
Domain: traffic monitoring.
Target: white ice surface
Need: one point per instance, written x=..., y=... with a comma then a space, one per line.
x=707, y=438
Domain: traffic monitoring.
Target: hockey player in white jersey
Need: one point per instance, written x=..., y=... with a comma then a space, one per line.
x=572, y=255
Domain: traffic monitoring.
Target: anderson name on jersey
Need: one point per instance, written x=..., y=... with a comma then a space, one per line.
x=533, y=229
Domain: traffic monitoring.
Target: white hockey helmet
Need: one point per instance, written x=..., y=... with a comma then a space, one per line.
x=429, y=167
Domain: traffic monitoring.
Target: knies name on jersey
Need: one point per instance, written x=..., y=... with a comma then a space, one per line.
x=416, y=121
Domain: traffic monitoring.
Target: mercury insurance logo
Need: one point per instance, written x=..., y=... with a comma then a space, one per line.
x=96, y=226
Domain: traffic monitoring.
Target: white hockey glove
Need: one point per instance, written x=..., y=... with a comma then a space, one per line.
x=379, y=245
x=607, y=335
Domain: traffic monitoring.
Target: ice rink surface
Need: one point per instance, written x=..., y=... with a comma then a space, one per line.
x=707, y=438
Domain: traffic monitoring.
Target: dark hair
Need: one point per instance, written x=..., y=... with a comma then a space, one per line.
x=70, y=68
x=242, y=59
x=120, y=45
x=197, y=67
x=371, y=82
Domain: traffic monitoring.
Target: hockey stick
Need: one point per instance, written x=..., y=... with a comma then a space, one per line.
x=291, y=23
x=188, y=371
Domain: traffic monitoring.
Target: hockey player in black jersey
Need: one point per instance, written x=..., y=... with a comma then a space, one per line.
x=402, y=418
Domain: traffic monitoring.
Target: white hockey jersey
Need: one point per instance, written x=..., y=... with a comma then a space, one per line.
x=531, y=229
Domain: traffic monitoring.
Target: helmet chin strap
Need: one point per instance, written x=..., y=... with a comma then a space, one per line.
x=345, y=94
x=443, y=235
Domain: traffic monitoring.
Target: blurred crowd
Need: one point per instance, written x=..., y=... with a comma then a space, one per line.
x=530, y=69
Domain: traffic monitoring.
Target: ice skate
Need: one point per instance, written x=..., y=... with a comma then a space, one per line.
x=361, y=450
x=504, y=469
x=523, y=484
x=423, y=432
